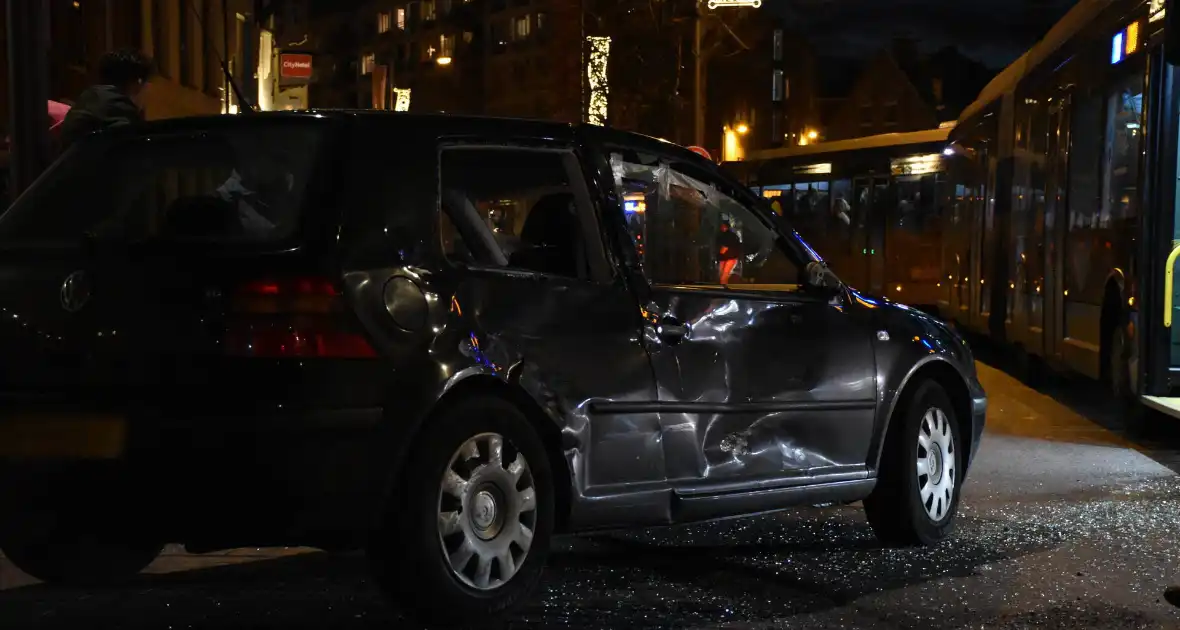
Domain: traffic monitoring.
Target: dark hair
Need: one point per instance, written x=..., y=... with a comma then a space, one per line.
x=121, y=68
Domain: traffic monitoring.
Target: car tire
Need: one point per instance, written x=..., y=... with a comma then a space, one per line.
x=917, y=492
x=70, y=553
x=467, y=535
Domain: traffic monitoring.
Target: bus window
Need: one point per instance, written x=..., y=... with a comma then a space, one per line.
x=1085, y=160
x=842, y=221
x=913, y=239
x=1124, y=121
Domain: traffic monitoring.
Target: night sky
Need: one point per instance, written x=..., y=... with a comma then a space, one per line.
x=994, y=32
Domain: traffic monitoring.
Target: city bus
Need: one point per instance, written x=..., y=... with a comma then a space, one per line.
x=871, y=207
x=1060, y=230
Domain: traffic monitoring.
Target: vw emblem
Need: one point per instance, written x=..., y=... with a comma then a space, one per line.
x=75, y=291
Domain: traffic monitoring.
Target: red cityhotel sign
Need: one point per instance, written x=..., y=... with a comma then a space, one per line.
x=292, y=66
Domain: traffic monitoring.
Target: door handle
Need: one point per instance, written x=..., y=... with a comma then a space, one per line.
x=1169, y=280
x=672, y=331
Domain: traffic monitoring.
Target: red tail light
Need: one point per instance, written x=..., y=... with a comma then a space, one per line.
x=292, y=318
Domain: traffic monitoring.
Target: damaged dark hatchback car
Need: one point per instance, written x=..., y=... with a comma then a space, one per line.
x=242, y=331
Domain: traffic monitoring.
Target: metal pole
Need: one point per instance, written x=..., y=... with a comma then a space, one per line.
x=28, y=74
x=227, y=22
x=698, y=82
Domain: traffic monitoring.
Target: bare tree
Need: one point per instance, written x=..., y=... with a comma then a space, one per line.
x=651, y=62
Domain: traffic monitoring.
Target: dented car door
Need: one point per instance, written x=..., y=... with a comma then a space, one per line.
x=763, y=382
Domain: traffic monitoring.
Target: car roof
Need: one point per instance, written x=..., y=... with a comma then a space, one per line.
x=461, y=123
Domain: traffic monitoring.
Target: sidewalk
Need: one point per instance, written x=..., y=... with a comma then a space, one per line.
x=172, y=560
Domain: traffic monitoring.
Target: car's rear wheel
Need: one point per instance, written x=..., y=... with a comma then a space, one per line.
x=917, y=493
x=77, y=530
x=469, y=531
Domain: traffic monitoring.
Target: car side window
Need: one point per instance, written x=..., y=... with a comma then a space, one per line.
x=60, y=206
x=454, y=247
x=687, y=231
x=240, y=185
x=233, y=185
x=518, y=204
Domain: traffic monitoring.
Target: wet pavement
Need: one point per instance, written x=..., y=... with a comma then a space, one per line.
x=1066, y=523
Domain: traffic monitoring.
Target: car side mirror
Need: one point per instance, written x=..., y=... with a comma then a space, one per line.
x=821, y=279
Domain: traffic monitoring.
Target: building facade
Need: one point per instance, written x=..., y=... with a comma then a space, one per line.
x=189, y=40
x=627, y=63
x=494, y=57
x=765, y=97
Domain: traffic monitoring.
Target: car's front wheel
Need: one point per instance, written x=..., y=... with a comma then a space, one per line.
x=468, y=533
x=917, y=492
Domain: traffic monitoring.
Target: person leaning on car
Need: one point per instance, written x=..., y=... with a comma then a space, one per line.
x=115, y=101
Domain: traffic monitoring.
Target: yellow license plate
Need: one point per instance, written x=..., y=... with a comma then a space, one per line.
x=63, y=436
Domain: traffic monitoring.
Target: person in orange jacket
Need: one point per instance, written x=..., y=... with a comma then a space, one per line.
x=729, y=251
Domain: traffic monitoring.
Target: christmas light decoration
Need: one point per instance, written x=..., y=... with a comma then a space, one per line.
x=401, y=101
x=599, y=86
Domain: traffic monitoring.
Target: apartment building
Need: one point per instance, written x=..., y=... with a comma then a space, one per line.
x=496, y=57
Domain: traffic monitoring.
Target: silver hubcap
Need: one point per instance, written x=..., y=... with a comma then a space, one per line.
x=936, y=464
x=487, y=511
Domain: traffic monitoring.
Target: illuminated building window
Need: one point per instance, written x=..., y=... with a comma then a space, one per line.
x=368, y=62
x=428, y=11
x=776, y=89
x=596, y=71
x=778, y=44
x=446, y=45
x=384, y=21
x=521, y=27
x=401, y=19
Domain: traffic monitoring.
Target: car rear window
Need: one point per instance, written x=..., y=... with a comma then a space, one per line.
x=237, y=184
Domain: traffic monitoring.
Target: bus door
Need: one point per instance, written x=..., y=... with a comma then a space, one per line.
x=1158, y=316
x=1056, y=222
x=871, y=206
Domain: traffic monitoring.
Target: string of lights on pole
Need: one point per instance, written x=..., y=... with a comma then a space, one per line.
x=596, y=72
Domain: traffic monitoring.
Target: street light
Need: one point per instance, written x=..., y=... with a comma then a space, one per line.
x=444, y=61
x=743, y=128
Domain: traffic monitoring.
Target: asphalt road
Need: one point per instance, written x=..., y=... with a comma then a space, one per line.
x=1066, y=524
